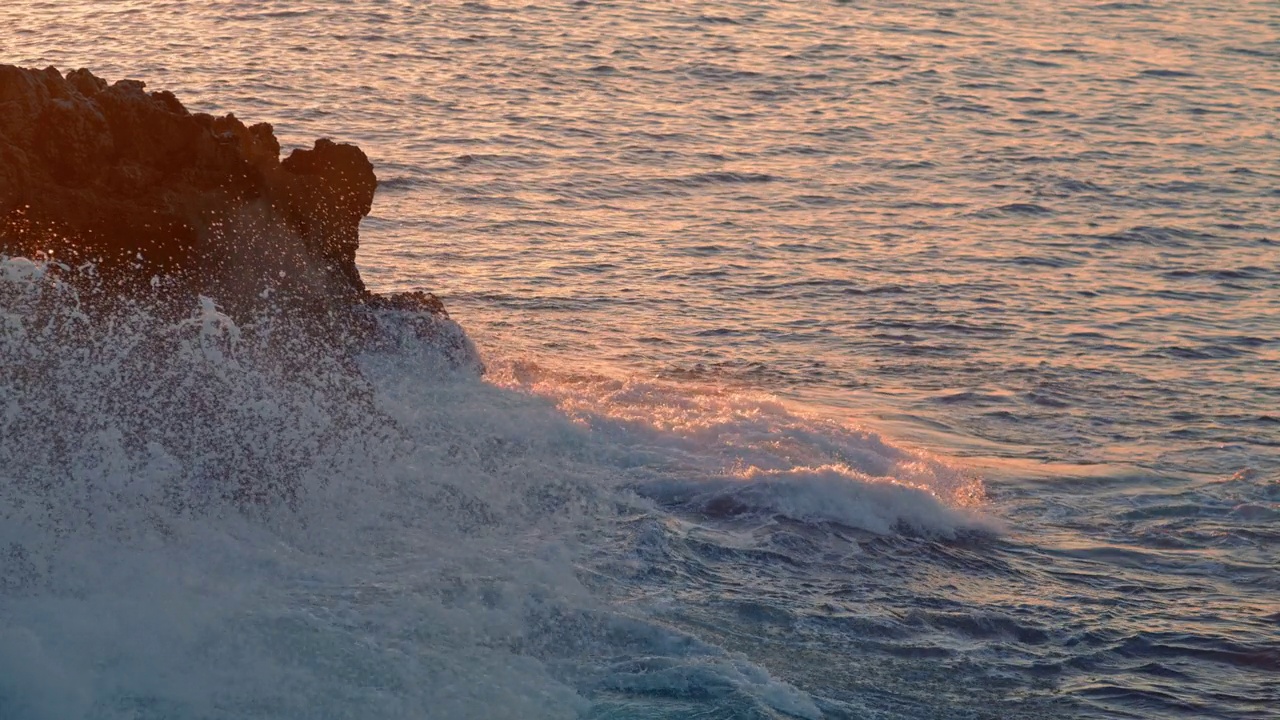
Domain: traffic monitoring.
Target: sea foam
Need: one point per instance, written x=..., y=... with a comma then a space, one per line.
x=197, y=526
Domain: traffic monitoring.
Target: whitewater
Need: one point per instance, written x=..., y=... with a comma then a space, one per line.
x=845, y=360
x=442, y=536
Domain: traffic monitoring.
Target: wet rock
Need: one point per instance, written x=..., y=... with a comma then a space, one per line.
x=153, y=195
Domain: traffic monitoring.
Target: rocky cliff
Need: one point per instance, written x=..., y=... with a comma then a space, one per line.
x=154, y=196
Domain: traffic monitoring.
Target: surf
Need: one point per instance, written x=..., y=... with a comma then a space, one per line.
x=194, y=528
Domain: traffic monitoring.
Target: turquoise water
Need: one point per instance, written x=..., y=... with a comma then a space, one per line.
x=854, y=359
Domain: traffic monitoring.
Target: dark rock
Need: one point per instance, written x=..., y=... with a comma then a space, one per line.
x=153, y=195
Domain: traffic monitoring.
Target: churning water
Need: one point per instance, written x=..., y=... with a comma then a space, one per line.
x=846, y=359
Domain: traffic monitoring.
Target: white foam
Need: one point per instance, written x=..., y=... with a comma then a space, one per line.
x=414, y=521
x=733, y=451
x=392, y=584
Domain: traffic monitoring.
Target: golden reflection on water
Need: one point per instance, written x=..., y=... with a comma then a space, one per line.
x=886, y=197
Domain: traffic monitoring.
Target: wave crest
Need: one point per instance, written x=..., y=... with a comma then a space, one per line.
x=730, y=452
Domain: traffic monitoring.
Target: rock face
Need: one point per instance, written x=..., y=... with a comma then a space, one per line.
x=154, y=195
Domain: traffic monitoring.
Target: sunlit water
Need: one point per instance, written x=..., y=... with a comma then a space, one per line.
x=854, y=359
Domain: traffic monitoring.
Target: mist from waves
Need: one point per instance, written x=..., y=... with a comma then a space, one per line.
x=196, y=524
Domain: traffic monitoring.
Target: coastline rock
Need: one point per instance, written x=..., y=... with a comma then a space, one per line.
x=154, y=196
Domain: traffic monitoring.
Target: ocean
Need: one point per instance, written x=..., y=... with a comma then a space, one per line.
x=852, y=359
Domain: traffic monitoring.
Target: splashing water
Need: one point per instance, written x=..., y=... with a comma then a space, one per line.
x=194, y=528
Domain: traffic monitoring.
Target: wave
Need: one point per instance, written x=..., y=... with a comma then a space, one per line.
x=830, y=493
x=725, y=451
x=205, y=519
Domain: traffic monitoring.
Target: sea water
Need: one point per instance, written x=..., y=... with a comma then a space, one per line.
x=845, y=360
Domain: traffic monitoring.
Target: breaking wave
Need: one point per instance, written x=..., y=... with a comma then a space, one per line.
x=199, y=519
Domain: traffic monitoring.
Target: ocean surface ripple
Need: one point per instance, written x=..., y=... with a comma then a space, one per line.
x=852, y=359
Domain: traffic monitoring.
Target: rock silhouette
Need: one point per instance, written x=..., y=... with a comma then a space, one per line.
x=154, y=196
